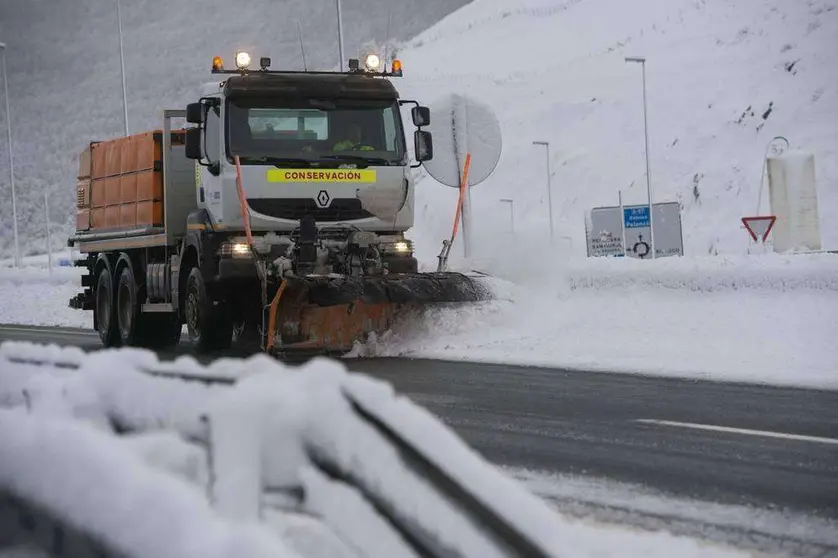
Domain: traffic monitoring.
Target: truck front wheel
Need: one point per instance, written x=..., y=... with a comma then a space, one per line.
x=210, y=326
x=105, y=310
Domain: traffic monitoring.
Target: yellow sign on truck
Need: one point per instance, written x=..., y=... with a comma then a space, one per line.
x=325, y=175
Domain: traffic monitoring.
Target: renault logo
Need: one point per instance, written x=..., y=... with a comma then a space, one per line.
x=322, y=198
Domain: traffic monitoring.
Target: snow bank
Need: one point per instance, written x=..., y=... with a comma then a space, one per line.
x=69, y=468
x=756, y=336
x=106, y=387
x=294, y=439
x=31, y=295
x=770, y=272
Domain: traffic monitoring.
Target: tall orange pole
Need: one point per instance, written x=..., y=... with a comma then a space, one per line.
x=461, y=197
x=242, y=202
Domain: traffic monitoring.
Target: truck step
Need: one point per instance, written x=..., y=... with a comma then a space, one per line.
x=162, y=307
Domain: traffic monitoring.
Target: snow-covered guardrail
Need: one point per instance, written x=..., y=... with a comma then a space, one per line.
x=306, y=460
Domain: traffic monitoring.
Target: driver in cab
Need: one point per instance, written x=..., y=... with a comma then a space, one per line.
x=354, y=140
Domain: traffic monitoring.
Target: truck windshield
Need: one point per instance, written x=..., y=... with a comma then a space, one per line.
x=324, y=131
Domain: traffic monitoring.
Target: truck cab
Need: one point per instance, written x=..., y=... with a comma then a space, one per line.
x=327, y=145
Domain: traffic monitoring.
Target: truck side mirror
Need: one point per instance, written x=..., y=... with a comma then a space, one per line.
x=424, y=145
x=194, y=113
x=193, y=143
x=421, y=116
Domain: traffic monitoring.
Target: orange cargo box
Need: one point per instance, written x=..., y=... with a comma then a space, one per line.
x=149, y=213
x=112, y=217
x=82, y=219
x=113, y=152
x=150, y=186
x=113, y=196
x=97, y=193
x=128, y=188
x=97, y=218
x=128, y=215
x=125, y=155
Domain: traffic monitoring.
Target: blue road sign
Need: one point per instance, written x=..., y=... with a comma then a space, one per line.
x=636, y=217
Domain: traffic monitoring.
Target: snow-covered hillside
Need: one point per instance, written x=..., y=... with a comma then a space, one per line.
x=65, y=88
x=723, y=78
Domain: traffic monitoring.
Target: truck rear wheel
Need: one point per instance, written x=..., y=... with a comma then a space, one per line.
x=126, y=304
x=138, y=329
x=210, y=326
x=106, y=310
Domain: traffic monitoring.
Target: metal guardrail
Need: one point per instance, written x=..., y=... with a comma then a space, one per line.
x=505, y=534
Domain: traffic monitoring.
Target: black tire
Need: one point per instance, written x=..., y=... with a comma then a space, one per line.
x=105, y=309
x=127, y=309
x=210, y=326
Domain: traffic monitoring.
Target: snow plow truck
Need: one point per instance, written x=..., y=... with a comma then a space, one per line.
x=279, y=216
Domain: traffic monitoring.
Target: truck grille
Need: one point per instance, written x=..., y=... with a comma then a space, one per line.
x=341, y=209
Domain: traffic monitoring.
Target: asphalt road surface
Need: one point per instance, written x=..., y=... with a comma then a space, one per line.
x=775, y=448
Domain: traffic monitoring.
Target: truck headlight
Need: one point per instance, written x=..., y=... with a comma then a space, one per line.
x=396, y=246
x=235, y=250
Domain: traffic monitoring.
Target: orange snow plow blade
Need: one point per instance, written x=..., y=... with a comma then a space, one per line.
x=329, y=314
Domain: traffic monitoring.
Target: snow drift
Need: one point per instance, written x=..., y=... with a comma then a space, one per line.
x=307, y=440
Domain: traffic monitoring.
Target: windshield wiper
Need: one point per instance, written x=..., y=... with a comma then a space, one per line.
x=281, y=160
x=358, y=159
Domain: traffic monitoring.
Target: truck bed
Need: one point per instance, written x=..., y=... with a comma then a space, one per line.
x=134, y=191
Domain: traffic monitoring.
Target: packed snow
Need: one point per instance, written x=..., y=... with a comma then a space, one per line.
x=67, y=466
x=179, y=483
x=768, y=319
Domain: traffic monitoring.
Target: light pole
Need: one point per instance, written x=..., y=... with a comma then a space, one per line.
x=546, y=145
x=122, y=67
x=511, y=211
x=642, y=61
x=11, y=156
x=340, y=34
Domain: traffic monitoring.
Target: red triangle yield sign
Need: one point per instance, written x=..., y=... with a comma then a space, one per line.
x=759, y=227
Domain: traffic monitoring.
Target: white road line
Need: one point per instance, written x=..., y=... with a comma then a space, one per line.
x=46, y=330
x=766, y=433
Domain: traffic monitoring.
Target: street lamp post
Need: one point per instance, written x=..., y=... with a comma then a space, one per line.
x=122, y=67
x=11, y=156
x=511, y=211
x=340, y=34
x=642, y=61
x=546, y=145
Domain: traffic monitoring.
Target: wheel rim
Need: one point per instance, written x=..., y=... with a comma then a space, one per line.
x=192, y=314
x=126, y=314
x=103, y=308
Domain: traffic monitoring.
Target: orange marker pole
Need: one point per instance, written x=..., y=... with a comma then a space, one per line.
x=461, y=197
x=242, y=202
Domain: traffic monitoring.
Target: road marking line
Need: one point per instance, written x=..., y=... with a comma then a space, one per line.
x=766, y=433
x=47, y=330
